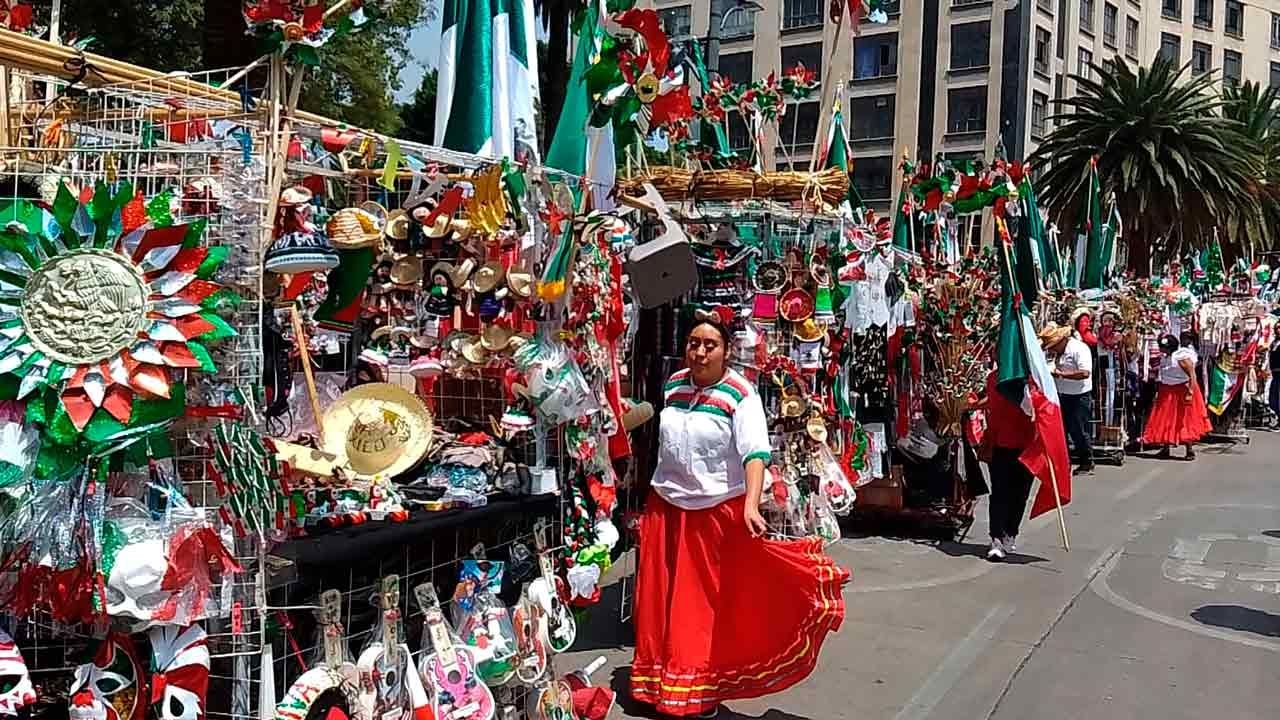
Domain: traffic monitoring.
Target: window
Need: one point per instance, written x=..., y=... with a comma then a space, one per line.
x=1039, y=110
x=970, y=45
x=736, y=67
x=1172, y=9
x=871, y=117
x=1231, y=64
x=808, y=55
x=1083, y=64
x=967, y=110
x=740, y=24
x=1201, y=58
x=1110, y=21
x=801, y=13
x=1170, y=47
x=1086, y=16
x=1042, y=50
x=873, y=176
x=1275, y=30
x=1235, y=18
x=875, y=56
x=1204, y=13
x=1131, y=37
x=1275, y=75
x=799, y=126
x=1057, y=86
x=676, y=21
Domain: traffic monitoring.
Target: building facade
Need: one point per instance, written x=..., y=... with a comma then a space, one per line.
x=957, y=77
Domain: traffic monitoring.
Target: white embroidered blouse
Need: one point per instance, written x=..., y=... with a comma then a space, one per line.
x=707, y=435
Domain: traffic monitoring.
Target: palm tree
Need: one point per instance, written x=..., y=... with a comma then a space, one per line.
x=1257, y=109
x=1176, y=166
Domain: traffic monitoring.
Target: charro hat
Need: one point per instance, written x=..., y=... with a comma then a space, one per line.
x=378, y=429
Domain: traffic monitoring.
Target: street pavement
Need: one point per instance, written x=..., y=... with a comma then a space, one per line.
x=1167, y=606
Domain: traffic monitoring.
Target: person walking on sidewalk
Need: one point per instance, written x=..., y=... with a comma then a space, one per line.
x=721, y=612
x=1179, y=415
x=1009, y=432
x=1073, y=373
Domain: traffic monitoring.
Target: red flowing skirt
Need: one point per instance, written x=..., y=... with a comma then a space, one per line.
x=1175, y=418
x=721, y=615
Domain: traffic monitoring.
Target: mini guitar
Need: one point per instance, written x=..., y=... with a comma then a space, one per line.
x=450, y=669
x=554, y=702
x=531, y=659
x=550, y=592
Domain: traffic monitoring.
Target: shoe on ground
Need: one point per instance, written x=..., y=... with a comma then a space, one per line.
x=710, y=713
x=1084, y=469
x=996, y=553
x=1010, y=544
x=1191, y=454
x=1164, y=453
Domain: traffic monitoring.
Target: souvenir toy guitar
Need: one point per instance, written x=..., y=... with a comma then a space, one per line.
x=334, y=680
x=450, y=669
x=531, y=657
x=549, y=591
x=390, y=687
x=554, y=702
x=482, y=620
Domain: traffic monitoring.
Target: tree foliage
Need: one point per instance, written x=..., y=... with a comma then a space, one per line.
x=419, y=116
x=1176, y=166
x=356, y=82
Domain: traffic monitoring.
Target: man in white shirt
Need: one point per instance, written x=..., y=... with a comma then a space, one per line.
x=1073, y=373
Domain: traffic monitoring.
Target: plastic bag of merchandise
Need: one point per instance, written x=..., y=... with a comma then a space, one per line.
x=199, y=557
x=554, y=382
x=482, y=621
x=833, y=485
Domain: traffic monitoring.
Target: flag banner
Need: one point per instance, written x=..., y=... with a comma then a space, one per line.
x=1023, y=376
x=1226, y=377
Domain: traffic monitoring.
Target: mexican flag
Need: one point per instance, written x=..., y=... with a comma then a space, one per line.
x=1042, y=244
x=1227, y=376
x=577, y=148
x=903, y=215
x=488, y=83
x=1024, y=378
x=1089, y=260
x=837, y=155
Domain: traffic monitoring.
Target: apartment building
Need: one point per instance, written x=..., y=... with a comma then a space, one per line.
x=957, y=77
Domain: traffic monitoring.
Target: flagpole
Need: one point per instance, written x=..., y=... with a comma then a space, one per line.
x=1053, y=473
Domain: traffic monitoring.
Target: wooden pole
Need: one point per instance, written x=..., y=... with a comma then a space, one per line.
x=823, y=107
x=1001, y=231
x=300, y=341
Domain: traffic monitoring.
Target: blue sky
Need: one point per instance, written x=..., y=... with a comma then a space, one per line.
x=424, y=45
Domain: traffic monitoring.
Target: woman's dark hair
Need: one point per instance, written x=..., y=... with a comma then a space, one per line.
x=1168, y=344
x=725, y=335
x=1188, y=339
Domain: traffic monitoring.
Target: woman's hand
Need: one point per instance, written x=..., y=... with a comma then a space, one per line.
x=755, y=521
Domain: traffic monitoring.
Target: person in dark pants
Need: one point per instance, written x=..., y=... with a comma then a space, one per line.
x=1073, y=372
x=1009, y=432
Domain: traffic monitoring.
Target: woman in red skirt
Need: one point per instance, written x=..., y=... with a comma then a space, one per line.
x=721, y=612
x=1179, y=416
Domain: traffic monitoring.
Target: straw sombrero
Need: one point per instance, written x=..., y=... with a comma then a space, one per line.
x=296, y=195
x=377, y=428
x=303, y=459
x=1052, y=334
x=353, y=228
x=496, y=338
x=377, y=213
x=488, y=276
x=407, y=270
x=521, y=281
x=398, y=225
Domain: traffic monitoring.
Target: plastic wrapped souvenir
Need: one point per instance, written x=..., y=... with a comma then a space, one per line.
x=19, y=692
x=112, y=687
x=483, y=622
x=555, y=384
x=179, y=671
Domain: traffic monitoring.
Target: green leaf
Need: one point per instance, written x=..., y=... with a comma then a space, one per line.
x=64, y=211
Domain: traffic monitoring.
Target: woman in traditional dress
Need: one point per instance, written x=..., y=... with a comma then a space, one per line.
x=1179, y=416
x=722, y=613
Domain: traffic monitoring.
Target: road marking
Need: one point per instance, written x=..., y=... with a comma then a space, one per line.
x=977, y=570
x=955, y=665
x=1132, y=488
x=1104, y=591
